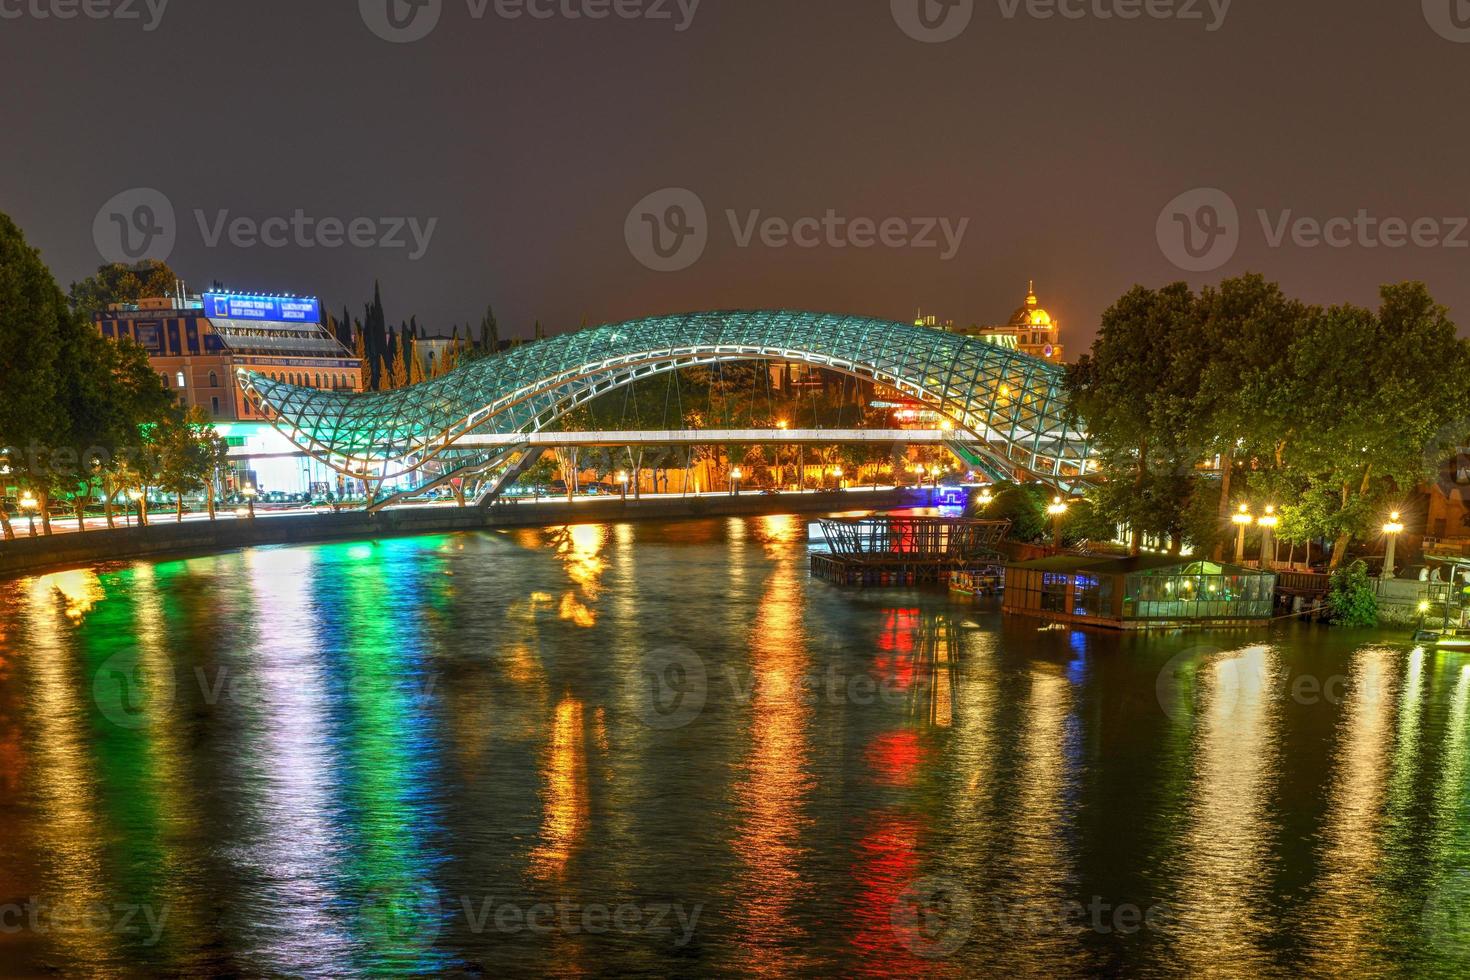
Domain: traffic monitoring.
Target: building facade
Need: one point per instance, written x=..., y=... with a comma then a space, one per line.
x=1031, y=330
x=198, y=343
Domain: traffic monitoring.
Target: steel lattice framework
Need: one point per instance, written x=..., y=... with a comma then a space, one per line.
x=1008, y=408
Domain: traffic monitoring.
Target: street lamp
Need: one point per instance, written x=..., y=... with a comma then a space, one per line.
x=837, y=476
x=623, y=482
x=28, y=505
x=1242, y=520
x=736, y=475
x=1057, y=510
x=985, y=499
x=1268, y=522
x=1391, y=530
x=250, y=494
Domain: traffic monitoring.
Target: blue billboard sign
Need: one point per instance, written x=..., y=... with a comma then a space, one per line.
x=278, y=309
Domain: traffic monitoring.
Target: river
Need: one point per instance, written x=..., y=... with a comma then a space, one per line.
x=664, y=749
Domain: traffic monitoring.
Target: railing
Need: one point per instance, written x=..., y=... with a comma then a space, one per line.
x=886, y=539
x=1303, y=583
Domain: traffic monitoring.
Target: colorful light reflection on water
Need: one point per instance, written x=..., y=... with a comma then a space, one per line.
x=432, y=755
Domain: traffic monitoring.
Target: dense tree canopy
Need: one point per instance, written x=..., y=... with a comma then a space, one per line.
x=1333, y=414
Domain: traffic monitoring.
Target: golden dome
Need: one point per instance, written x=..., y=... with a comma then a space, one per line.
x=1031, y=314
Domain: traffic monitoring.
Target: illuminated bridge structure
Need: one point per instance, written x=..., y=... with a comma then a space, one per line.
x=1007, y=409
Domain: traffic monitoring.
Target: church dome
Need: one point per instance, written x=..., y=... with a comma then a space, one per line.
x=1031, y=314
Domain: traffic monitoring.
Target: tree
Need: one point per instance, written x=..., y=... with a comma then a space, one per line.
x=190, y=455
x=1135, y=394
x=1245, y=332
x=1370, y=398
x=32, y=317
x=399, y=374
x=1352, y=599
x=489, y=332
x=119, y=283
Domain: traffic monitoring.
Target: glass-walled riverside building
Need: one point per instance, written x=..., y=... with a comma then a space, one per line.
x=197, y=343
x=1143, y=592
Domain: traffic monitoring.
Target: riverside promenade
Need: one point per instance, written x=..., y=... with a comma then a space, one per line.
x=163, y=536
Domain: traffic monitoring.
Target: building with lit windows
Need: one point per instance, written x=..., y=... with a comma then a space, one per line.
x=198, y=343
x=1030, y=330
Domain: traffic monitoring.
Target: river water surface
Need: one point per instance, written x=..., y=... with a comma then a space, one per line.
x=665, y=749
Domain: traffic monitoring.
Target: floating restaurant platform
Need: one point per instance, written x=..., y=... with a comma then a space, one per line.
x=1140, y=592
x=874, y=552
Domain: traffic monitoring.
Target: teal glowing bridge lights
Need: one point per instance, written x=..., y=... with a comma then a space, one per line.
x=1008, y=409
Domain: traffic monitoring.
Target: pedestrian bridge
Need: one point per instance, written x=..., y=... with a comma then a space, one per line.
x=1007, y=409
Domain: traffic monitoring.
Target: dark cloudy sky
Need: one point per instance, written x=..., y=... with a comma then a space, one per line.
x=1060, y=140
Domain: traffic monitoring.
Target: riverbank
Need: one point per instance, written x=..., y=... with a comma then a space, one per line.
x=160, y=539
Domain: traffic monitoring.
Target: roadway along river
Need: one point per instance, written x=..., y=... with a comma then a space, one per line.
x=664, y=749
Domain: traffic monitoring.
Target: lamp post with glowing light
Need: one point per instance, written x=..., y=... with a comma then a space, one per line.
x=736, y=475
x=985, y=499
x=28, y=506
x=1242, y=520
x=622, y=479
x=837, y=477
x=1391, y=530
x=1057, y=510
x=1268, y=522
x=250, y=494
x=136, y=496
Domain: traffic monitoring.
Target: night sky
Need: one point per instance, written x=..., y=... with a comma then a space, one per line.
x=530, y=140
